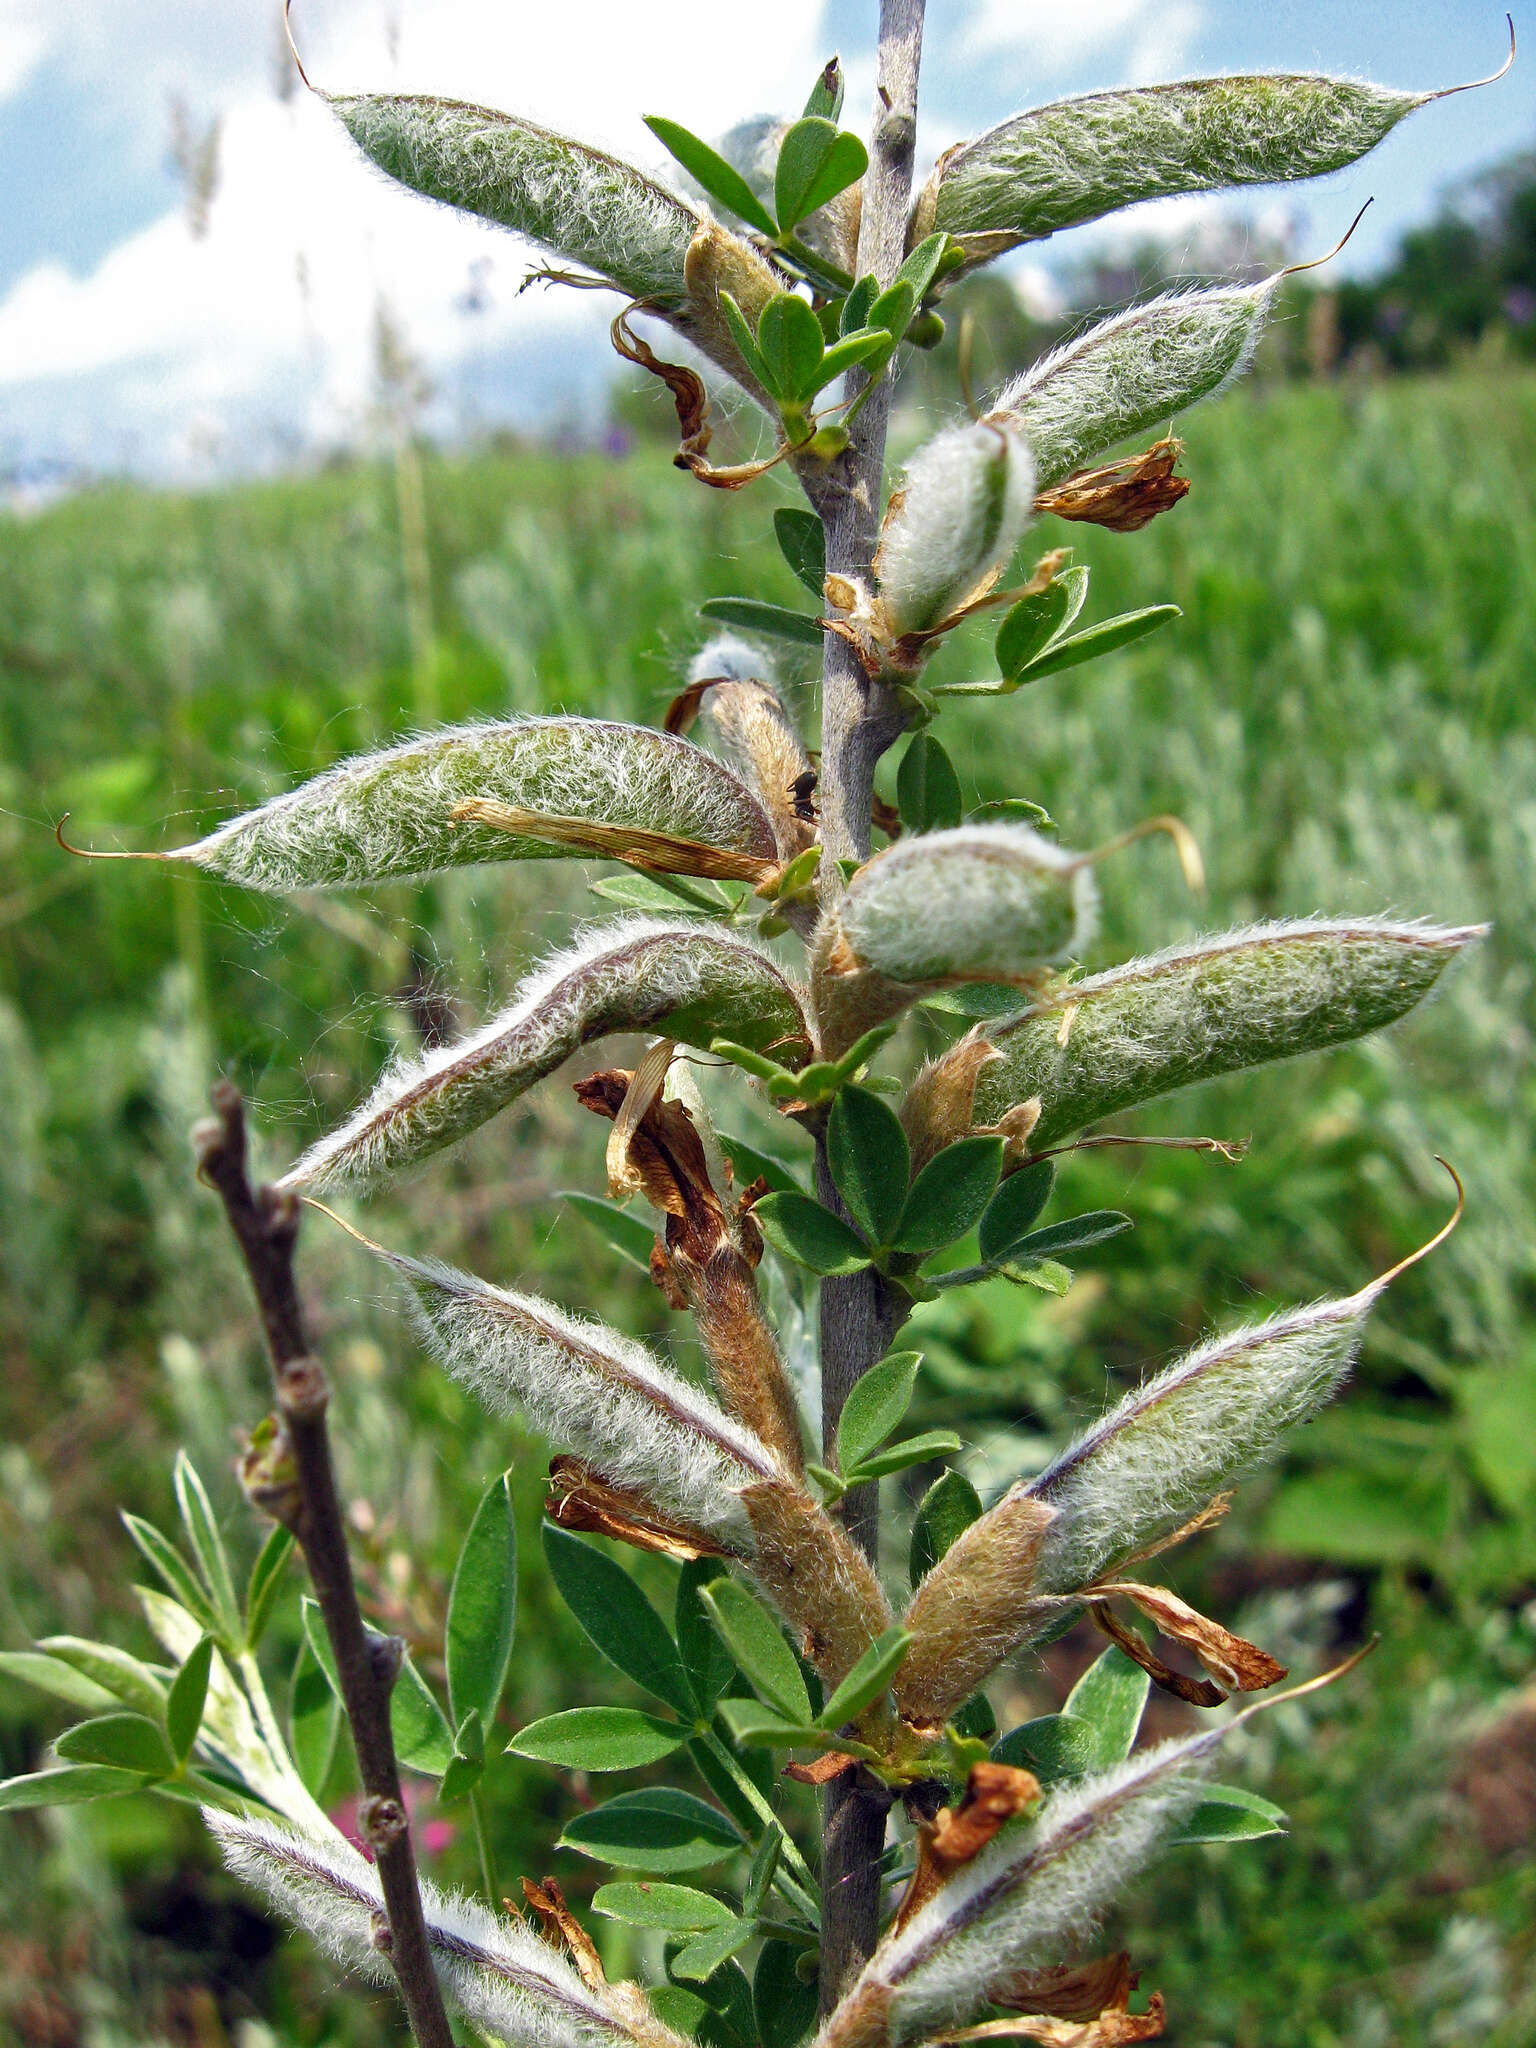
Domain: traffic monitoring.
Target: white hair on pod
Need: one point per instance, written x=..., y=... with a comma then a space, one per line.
x=967, y=496
x=1035, y=1887
x=496, y=1969
x=391, y=813
x=1162, y=1452
x=628, y=975
x=598, y=1393
x=1128, y=375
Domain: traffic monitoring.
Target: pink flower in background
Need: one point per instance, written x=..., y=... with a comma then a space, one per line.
x=430, y=1836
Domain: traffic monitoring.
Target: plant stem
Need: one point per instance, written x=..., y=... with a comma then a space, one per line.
x=266, y=1227
x=483, y=1845
x=860, y=718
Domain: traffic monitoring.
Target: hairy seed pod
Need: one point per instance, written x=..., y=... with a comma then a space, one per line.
x=972, y=1610
x=1129, y=375
x=563, y=195
x=595, y=1392
x=683, y=980
x=1033, y=1889
x=1078, y=159
x=382, y=816
x=496, y=1969
x=967, y=497
x=1188, y=1432
x=979, y=903
x=1262, y=993
x=744, y=719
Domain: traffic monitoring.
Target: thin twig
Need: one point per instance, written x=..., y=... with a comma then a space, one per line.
x=266, y=1228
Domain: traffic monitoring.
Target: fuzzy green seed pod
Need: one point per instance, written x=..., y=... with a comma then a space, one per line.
x=967, y=497
x=1263, y=993
x=567, y=197
x=383, y=816
x=683, y=980
x=979, y=903
x=1128, y=375
x=1187, y=1433
x=1078, y=159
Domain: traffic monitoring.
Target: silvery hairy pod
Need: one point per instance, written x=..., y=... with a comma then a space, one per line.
x=556, y=785
x=686, y=981
x=949, y=530
x=1129, y=375
x=503, y=1978
x=743, y=718
x=1039, y=1885
x=1078, y=159
x=572, y=200
x=1215, y=1006
x=970, y=1612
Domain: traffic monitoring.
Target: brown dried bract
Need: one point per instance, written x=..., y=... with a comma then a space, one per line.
x=561, y=1929
x=582, y=1499
x=994, y=1794
x=658, y=853
x=1124, y=496
x=692, y=403
x=1238, y=1665
x=1070, y=1991
x=829, y=1765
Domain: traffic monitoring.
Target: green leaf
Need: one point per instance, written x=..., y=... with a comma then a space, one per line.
x=1072, y=1234
x=683, y=2011
x=314, y=1719
x=790, y=342
x=172, y=1569
x=746, y=344
x=783, y=2002
x=599, y=1739
x=1229, y=1813
x=816, y=162
x=869, y=1678
x=68, y=1785
x=710, y=170
x=1110, y=1697
x=765, y=1862
x=922, y=266
x=975, y=1721
x=185, y=1701
x=756, y=1643
x=1101, y=639
x=864, y=345
x=870, y=1160
x=946, y=1511
x=128, y=1742
x=728, y=2022
x=1031, y=625
x=754, y=615
x=700, y=1959
x=423, y=1738
x=809, y=1234
x=53, y=1676
x=749, y=1165
x=893, y=309
x=655, y=893
x=319, y=1642
x=927, y=787
x=827, y=93
x=675, y=1908
x=855, y=313
x=459, y=1780
x=617, y=1618
x=1048, y=1276
x=482, y=1608
x=803, y=544
x=114, y=1670
x=750, y=1061
x=265, y=1583
x=912, y=1450
x=631, y=1236
x=1012, y=1211
x=705, y=1658
x=755, y=1726
x=207, y=1546
x=654, y=1829
x=1054, y=1747
x=875, y=1405
x=950, y=1195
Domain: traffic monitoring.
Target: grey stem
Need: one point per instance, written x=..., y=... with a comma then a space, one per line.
x=859, y=720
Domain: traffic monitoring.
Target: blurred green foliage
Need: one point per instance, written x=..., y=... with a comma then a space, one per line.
x=1343, y=718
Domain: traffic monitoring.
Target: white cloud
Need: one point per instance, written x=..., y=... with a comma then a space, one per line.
x=1150, y=39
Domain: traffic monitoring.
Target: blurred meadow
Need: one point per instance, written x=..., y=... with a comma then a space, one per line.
x=1343, y=718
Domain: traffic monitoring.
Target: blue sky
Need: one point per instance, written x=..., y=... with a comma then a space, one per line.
x=127, y=341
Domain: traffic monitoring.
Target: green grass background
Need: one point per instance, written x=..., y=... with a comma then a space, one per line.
x=1344, y=716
